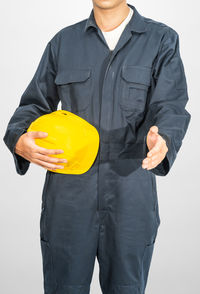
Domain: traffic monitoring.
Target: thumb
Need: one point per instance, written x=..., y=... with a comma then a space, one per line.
x=154, y=129
x=37, y=134
x=152, y=137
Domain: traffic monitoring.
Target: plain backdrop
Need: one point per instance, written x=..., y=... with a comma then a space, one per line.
x=26, y=27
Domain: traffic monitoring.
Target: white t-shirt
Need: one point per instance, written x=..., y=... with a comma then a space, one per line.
x=113, y=36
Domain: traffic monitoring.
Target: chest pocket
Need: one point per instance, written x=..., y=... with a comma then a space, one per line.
x=135, y=82
x=75, y=88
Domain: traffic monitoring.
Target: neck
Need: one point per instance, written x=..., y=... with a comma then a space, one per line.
x=110, y=18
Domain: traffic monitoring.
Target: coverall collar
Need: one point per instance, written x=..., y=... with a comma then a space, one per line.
x=136, y=23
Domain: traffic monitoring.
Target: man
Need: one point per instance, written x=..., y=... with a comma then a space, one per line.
x=123, y=73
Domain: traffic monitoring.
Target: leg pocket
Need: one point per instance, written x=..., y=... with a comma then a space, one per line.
x=49, y=281
x=146, y=262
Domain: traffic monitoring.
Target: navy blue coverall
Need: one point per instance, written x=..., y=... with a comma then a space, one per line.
x=111, y=211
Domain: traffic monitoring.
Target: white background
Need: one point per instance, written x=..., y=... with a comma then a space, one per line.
x=26, y=27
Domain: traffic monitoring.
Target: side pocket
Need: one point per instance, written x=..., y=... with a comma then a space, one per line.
x=49, y=281
x=43, y=206
x=146, y=262
x=154, y=191
x=47, y=178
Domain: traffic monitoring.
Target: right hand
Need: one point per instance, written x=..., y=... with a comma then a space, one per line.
x=27, y=148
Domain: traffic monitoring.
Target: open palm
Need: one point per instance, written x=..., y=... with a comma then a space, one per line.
x=157, y=149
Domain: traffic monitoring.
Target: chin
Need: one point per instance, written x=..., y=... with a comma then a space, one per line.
x=106, y=4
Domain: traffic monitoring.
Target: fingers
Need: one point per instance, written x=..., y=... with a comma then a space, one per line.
x=156, y=154
x=152, y=162
x=41, y=155
x=48, y=165
x=156, y=147
x=46, y=151
x=49, y=159
x=39, y=149
x=37, y=134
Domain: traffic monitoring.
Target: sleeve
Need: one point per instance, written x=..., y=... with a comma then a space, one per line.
x=169, y=96
x=40, y=97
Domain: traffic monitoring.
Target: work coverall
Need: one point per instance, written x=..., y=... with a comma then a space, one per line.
x=111, y=211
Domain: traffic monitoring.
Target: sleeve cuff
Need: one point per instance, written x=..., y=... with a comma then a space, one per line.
x=21, y=164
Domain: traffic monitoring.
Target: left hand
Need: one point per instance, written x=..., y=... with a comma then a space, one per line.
x=157, y=149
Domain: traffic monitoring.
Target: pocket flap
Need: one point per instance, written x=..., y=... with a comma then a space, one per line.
x=137, y=74
x=72, y=75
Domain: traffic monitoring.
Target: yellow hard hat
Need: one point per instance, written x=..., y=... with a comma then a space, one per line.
x=74, y=135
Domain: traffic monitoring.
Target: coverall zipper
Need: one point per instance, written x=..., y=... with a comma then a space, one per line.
x=107, y=67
